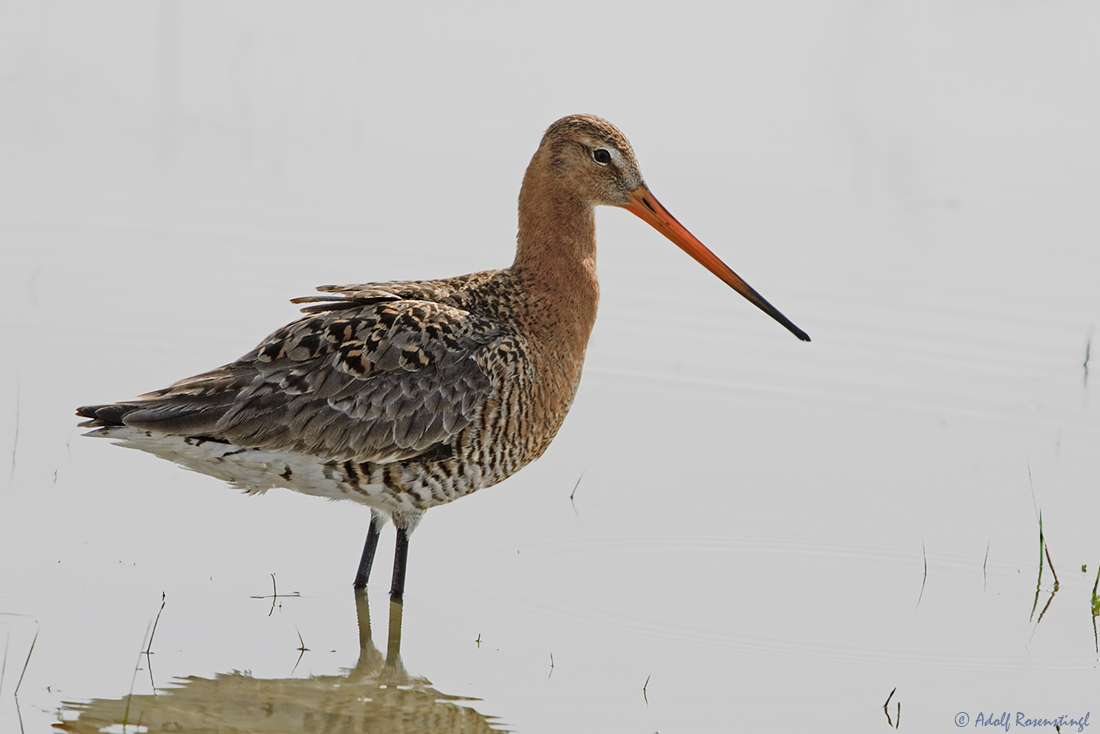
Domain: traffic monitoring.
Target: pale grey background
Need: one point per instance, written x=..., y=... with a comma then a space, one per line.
x=915, y=184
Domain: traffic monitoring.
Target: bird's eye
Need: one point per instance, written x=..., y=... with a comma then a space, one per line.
x=601, y=156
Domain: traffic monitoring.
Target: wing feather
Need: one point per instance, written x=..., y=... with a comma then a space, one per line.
x=368, y=375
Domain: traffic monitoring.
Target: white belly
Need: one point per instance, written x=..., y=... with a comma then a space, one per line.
x=257, y=470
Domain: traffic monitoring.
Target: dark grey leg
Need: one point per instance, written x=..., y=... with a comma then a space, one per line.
x=368, y=551
x=400, y=558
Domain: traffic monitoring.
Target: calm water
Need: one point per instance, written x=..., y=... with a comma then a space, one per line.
x=764, y=533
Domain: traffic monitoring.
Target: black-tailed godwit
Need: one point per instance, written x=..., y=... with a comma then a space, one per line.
x=406, y=395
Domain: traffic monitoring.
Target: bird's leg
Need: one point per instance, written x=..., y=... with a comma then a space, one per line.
x=369, y=547
x=400, y=557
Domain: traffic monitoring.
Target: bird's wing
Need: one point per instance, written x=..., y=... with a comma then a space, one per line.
x=367, y=376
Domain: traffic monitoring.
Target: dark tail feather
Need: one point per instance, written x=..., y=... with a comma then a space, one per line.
x=198, y=419
x=104, y=415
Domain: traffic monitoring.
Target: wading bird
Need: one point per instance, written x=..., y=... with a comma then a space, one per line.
x=407, y=395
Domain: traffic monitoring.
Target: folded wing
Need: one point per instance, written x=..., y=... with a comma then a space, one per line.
x=369, y=376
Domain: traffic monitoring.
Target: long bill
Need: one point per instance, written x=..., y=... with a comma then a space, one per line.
x=646, y=207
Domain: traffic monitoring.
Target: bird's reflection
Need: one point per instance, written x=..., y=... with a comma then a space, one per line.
x=376, y=695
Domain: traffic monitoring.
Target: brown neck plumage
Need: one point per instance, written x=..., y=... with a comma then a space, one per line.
x=556, y=256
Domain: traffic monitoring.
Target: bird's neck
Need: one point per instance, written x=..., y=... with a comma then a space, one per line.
x=556, y=260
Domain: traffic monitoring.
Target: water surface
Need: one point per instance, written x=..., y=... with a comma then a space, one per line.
x=763, y=533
